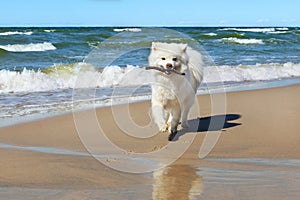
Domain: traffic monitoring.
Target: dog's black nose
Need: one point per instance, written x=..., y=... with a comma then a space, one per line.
x=169, y=65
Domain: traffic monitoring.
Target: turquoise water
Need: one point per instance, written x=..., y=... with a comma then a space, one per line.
x=227, y=46
x=39, y=66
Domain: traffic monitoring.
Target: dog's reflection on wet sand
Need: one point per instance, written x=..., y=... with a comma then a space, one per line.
x=177, y=182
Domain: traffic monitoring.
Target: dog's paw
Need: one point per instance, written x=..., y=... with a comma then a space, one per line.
x=173, y=130
x=164, y=128
x=172, y=135
x=185, y=124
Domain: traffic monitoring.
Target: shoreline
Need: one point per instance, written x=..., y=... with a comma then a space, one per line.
x=238, y=87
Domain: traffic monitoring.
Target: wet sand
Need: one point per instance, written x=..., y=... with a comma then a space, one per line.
x=257, y=155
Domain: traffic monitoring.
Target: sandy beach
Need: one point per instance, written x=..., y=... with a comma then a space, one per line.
x=256, y=157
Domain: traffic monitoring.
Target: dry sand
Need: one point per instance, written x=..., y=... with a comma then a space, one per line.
x=256, y=157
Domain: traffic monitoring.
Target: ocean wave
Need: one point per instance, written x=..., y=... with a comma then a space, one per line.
x=258, y=72
x=49, y=31
x=45, y=46
x=278, y=32
x=93, y=43
x=276, y=41
x=259, y=30
x=36, y=81
x=231, y=35
x=282, y=29
x=78, y=75
x=127, y=29
x=210, y=34
x=83, y=75
x=16, y=33
x=241, y=41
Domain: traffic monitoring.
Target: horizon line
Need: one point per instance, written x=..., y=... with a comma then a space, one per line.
x=145, y=26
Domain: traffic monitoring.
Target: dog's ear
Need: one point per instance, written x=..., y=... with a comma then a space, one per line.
x=153, y=46
x=184, y=47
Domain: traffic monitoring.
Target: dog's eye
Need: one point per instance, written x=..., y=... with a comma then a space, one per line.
x=174, y=59
x=163, y=58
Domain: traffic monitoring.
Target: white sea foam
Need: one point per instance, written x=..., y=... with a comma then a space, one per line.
x=258, y=72
x=127, y=29
x=278, y=32
x=29, y=81
x=263, y=30
x=241, y=41
x=49, y=31
x=210, y=34
x=259, y=30
x=64, y=77
x=16, y=33
x=28, y=47
x=80, y=75
x=282, y=29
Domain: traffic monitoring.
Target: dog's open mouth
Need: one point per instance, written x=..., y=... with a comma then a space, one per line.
x=166, y=71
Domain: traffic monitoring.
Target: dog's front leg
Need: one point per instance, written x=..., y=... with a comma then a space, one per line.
x=184, y=118
x=176, y=113
x=160, y=117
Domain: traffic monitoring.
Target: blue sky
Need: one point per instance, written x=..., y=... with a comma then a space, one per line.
x=150, y=13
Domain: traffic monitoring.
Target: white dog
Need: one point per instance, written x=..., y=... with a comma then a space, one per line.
x=173, y=94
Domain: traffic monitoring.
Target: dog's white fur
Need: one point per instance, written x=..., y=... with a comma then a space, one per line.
x=172, y=94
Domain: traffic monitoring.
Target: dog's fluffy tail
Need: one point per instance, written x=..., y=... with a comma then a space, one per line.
x=196, y=67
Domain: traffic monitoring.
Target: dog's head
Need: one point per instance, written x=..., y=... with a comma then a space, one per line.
x=169, y=56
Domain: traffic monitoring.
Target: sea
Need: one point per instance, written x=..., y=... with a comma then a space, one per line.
x=47, y=71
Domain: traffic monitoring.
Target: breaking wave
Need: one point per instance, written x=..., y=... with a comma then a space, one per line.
x=49, y=30
x=127, y=29
x=241, y=41
x=45, y=46
x=258, y=30
x=210, y=34
x=282, y=30
x=66, y=76
x=258, y=72
x=16, y=33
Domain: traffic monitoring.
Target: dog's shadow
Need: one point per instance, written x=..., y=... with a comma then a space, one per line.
x=207, y=124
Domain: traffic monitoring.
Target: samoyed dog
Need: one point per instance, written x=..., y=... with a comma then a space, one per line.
x=173, y=94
